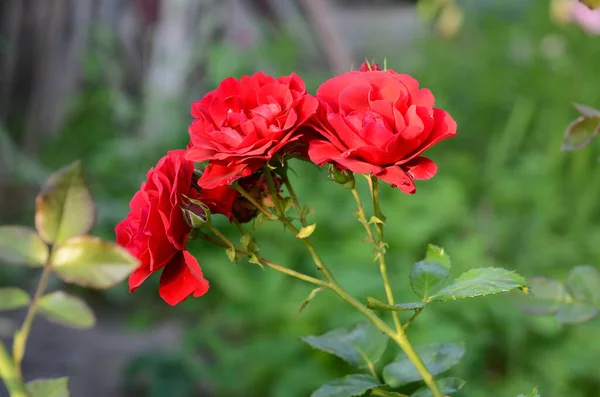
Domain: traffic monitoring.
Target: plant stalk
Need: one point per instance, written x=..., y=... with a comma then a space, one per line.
x=379, y=246
x=20, y=339
x=10, y=376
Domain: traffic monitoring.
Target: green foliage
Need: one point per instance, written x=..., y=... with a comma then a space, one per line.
x=427, y=278
x=360, y=346
x=437, y=357
x=22, y=245
x=480, y=282
x=49, y=388
x=91, y=262
x=13, y=298
x=348, y=386
x=577, y=301
x=66, y=309
x=306, y=231
x=64, y=207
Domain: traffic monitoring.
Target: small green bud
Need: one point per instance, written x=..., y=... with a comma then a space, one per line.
x=343, y=177
x=196, y=213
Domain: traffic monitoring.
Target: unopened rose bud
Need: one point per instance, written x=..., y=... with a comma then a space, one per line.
x=344, y=178
x=196, y=214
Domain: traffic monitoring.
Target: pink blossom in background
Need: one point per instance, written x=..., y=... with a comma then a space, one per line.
x=586, y=18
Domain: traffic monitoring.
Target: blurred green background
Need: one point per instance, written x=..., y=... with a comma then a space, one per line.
x=504, y=195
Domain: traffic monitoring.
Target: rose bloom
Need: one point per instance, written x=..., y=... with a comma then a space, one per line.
x=155, y=231
x=379, y=123
x=244, y=123
x=588, y=19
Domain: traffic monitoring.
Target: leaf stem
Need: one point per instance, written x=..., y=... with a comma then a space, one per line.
x=20, y=339
x=410, y=320
x=10, y=376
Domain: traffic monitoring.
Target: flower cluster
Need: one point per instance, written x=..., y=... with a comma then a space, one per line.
x=370, y=121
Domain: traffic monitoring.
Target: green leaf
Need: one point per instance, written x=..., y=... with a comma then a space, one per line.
x=587, y=111
x=580, y=133
x=253, y=259
x=446, y=385
x=13, y=298
x=245, y=240
x=575, y=313
x=546, y=295
x=91, y=262
x=348, y=386
x=360, y=346
x=427, y=278
x=534, y=393
x=374, y=220
x=64, y=206
x=22, y=245
x=377, y=305
x=437, y=357
x=231, y=254
x=306, y=231
x=584, y=284
x=438, y=255
x=480, y=282
x=66, y=309
x=310, y=297
x=49, y=387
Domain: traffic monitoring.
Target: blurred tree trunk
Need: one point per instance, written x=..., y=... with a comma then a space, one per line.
x=182, y=36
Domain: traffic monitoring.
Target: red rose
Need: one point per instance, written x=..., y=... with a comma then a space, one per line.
x=379, y=123
x=242, y=124
x=156, y=232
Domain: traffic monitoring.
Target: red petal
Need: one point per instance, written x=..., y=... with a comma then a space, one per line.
x=421, y=168
x=138, y=277
x=219, y=175
x=182, y=278
x=396, y=177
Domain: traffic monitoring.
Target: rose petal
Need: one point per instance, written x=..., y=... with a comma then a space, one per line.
x=396, y=177
x=219, y=175
x=421, y=168
x=181, y=278
x=138, y=277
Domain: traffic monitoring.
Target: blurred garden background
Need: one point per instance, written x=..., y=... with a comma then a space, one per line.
x=111, y=82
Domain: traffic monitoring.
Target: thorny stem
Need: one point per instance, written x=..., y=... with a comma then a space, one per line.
x=10, y=375
x=380, y=255
x=380, y=247
x=20, y=339
x=295, y=202
x=226, y=243
x=311, y=249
